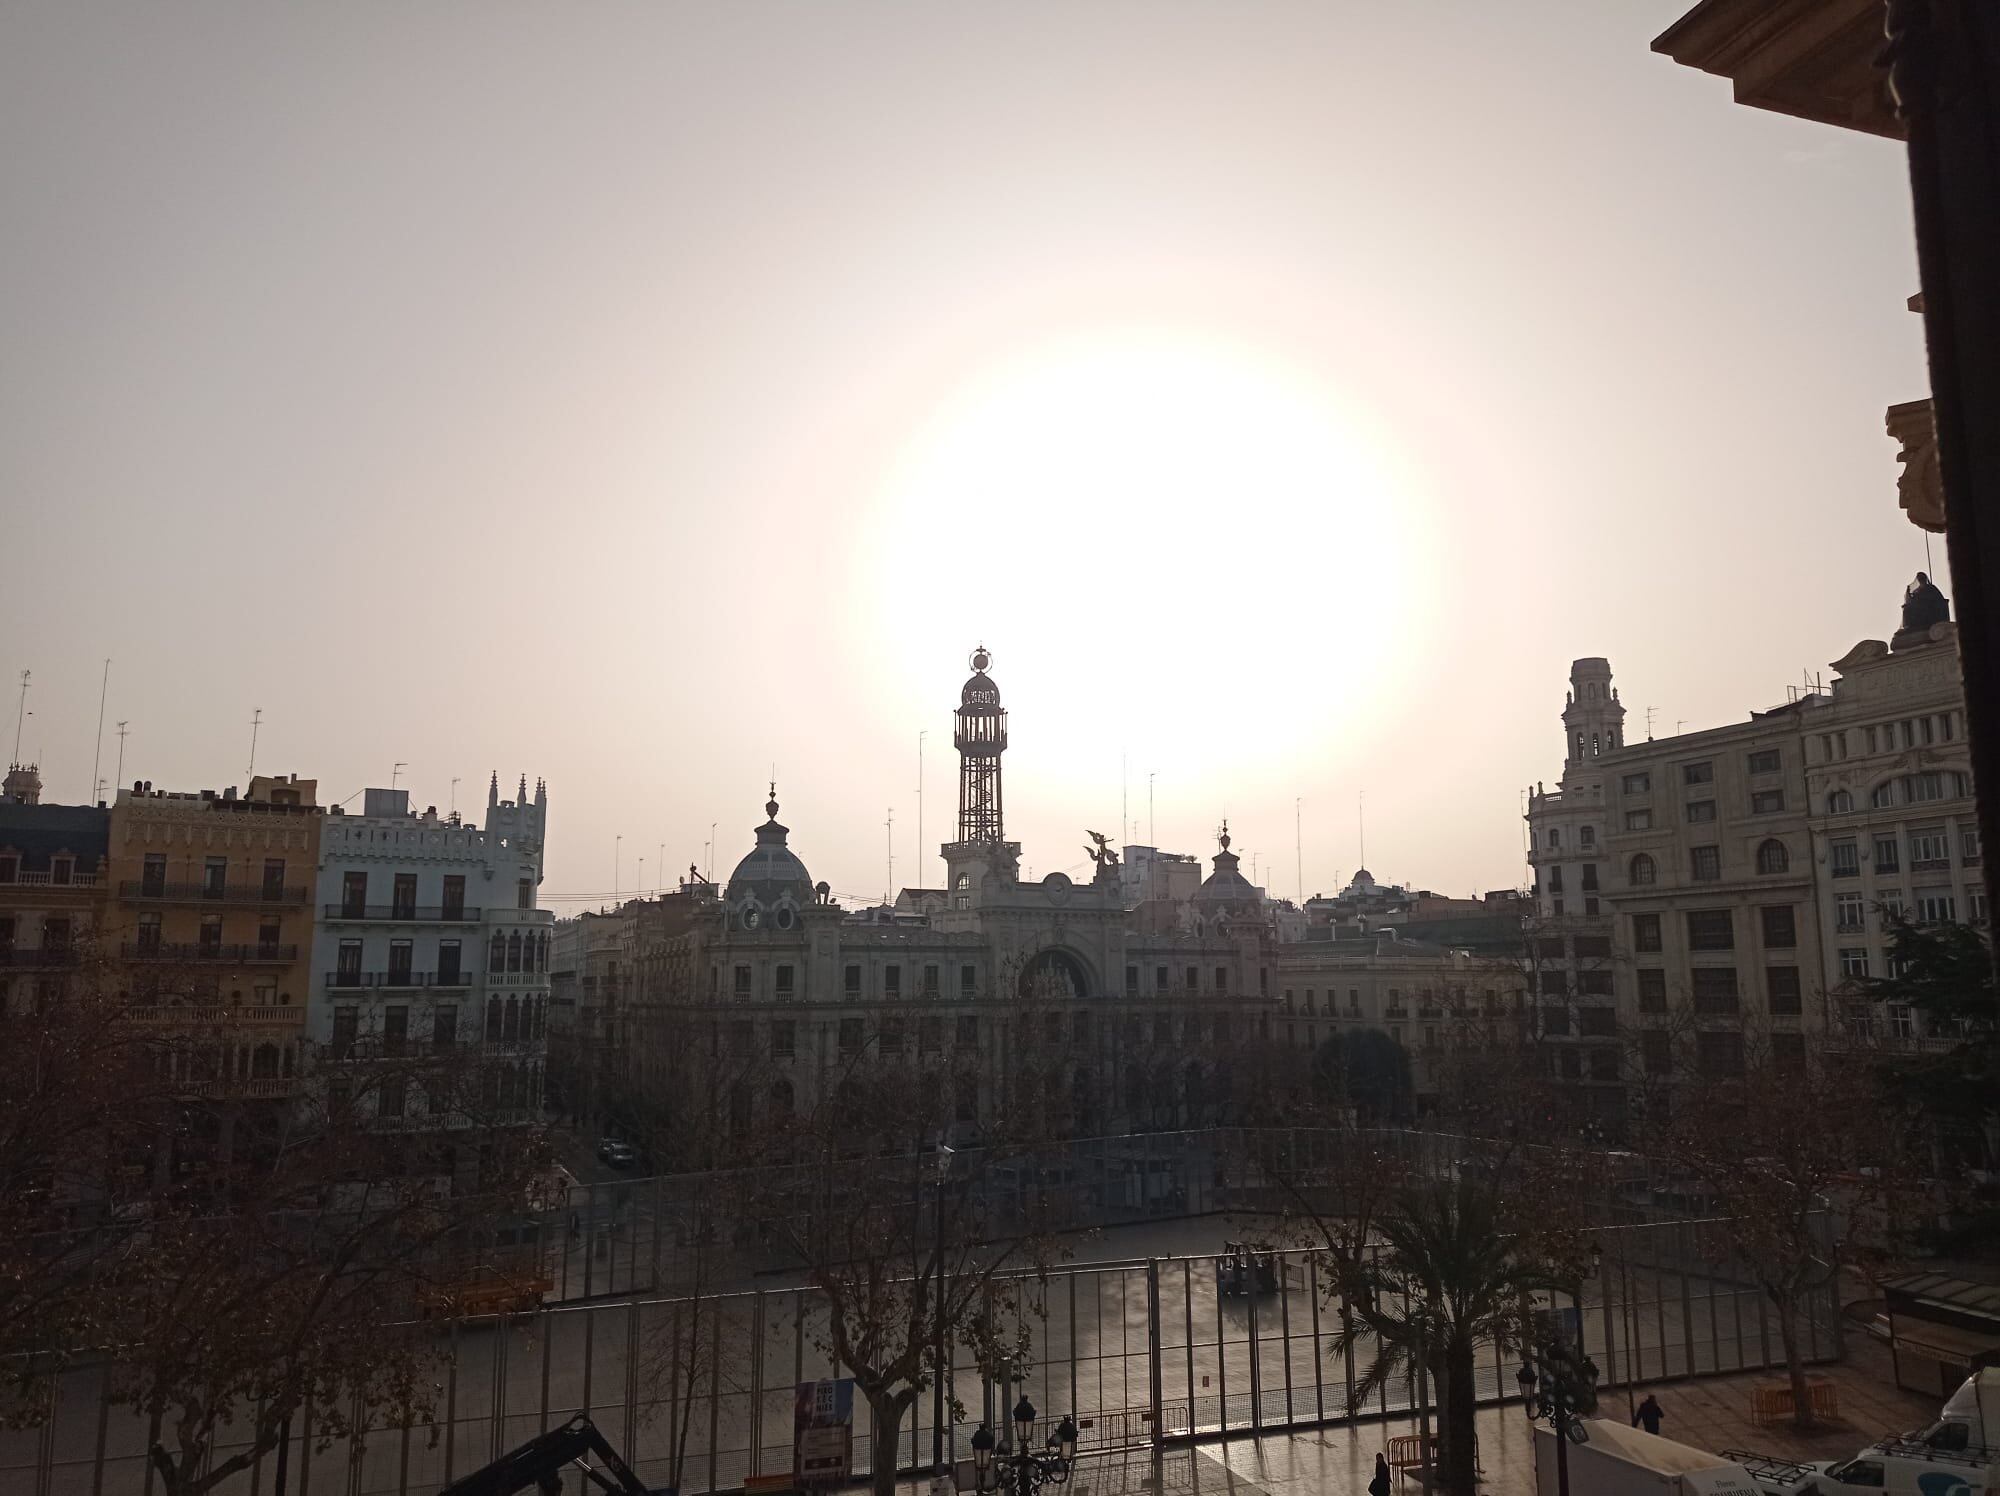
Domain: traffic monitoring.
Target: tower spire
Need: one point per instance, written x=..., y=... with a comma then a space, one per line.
x=980, y=734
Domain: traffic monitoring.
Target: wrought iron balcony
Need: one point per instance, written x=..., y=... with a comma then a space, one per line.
x=432, y=914
x=82, y=881
x=398, y=979
x=150, y=889
x=201, y=951
x=47, y=955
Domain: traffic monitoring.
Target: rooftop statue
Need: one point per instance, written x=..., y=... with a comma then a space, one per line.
x=1923, y=605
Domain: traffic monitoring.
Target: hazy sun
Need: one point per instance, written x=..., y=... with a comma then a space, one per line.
x=1141, y=523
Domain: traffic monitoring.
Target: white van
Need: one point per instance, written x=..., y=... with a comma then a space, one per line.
x=1895, y=1467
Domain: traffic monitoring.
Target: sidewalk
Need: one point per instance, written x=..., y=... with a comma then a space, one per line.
x=1711, y=1413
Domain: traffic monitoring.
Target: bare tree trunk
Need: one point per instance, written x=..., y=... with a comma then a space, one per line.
x=1788, y=1336
x=886, y=1413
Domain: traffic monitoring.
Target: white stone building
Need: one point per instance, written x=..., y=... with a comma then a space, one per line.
x=429, y=937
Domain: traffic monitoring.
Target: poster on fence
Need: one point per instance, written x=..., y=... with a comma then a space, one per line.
x=823, y=1432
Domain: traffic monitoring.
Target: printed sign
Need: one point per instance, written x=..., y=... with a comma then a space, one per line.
x=823, y=1432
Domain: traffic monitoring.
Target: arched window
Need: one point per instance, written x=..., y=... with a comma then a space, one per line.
x=512, y=1030
x=496, y=953
x=781, y=1097
x=1643, y=871
x=493, y=1015
x=1884, y=794
x=514, y=952
x=542, y=955
x=1772, y=857
x=1839, y=803
x=541, y=1017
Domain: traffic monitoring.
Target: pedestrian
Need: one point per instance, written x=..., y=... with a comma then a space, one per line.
x=1649, y=1414
x=1381, y=1485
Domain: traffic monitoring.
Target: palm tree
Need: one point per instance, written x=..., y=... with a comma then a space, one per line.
x=1446, y=1276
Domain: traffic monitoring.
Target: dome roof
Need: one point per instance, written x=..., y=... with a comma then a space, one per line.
x=1226, y=886
x=772, y=869
x=980, y=690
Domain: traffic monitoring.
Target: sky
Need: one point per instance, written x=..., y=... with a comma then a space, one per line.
x=654, y=397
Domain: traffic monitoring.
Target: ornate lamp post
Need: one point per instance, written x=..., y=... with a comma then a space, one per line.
x=943, y=1166
x=1022, y=1473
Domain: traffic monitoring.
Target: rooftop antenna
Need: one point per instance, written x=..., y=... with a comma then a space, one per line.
x=454, y=794
x=123, y=728
x=920, y=802
x=891, y=825
x=1299, y=846
x=1649, y=722
x=256, y=721
x=617, y=856
x=97, y=758
x=1152, y=826
x=1361, y=826
x=396, y=771
x=711, y=851
x=662, y=863
x=21, y=714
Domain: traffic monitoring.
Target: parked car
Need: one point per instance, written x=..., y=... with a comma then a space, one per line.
x=618, y=1155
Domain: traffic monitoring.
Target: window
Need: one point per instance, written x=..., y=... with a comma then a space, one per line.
x=1918, y=788
x=1844, y=859
x=1929, y=852
x=1718, y=1052
x=1597, y=1023
x=1714, y=989
x=850, y=981
x=403, y=896
x=1604, y=1063
x=274, y=879
x=1593, y=984
x=1637, y=784
x=454, y=896
x=214, y=877
x=1652, y=989
x=1780, y=927
x=444, y=1026
x=1763, y=761
x=346, y=1027
x=1159, y=979
x=1788, y=1051
x=742, y=981
x=1643, y=872
x=524, y=893
x=1848, y=912
x=930, y=1034
x=1711, y=930
x=1221, y=979
x=1555, y=1022
x=891, y=1037
x=850, y=1036
x=1556, y=879
x=1555, y=838
x=968, y=1032
x=933, y=982
x=1781, y=990
x=395, y=1029
x=1131, y=981
x=1638, y=820
x=1593, y=947
x=1840, y=802
x=1079, y=1028
x=1701, y=773
x=1934, y=906
x=783, y=983
x=1891, y=902
x=401, y=954
x=450, y=971
x=496, y=953
x=1163, y=1029
x=1883, y=795
x=1772, y=857
x=1853, y=961
x=1766, y=802
x=1589, y=877
x=1549, y=947
x=1888, y=858
x=1968, y=845
x=1570, y=1064
x=149, y=934
x=892, y=981
x=1975, y=905
x=210, y=936
x=1656, y=1052
x=152, y=878
x=393, y=1097
x=1705, y=864
x=1589, y=836
x=1645, y=932
x=1700, y=812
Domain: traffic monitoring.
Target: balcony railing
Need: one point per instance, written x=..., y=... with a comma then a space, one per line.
x=170, y=950
x=49, y=880
x=209, y=893
x=47, y=955
x=262, y=1085
x=216, y=1014
x=1930, y=864
x=422, y=914
x=398, y=979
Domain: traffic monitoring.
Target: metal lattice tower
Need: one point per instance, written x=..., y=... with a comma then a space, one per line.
x=980, y=732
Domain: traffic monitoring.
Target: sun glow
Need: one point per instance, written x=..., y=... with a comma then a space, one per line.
x=1220, y=520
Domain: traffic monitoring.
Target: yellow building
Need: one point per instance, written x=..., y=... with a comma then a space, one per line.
x=208, y=923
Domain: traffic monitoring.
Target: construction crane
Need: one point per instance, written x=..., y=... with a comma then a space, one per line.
x=539, y=1464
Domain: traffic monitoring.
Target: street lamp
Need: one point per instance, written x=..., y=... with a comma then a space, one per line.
x=1022, y=1473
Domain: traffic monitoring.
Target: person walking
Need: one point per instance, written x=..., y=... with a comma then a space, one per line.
x=1649, y=1414
x=1381, y=1484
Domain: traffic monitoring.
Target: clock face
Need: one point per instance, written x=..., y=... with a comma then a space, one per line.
x=1057, y=886
x=751, y=919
